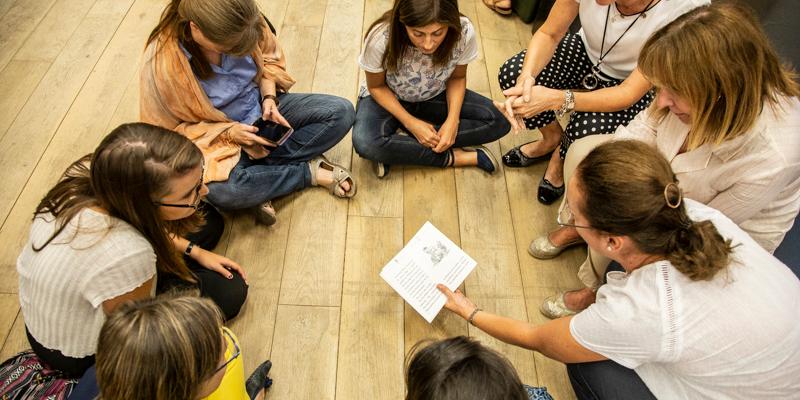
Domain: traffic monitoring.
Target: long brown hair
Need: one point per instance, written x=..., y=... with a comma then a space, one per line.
x=718, y=58
x=419, y=13
x=630, y=190
x=236, y=25
x=162, y=348
x=460, y=368
x=129, y=170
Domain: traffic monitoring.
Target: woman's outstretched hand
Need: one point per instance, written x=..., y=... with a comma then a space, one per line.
x=457, y=302
x=270, y=113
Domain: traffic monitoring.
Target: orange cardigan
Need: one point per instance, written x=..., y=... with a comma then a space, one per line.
x=170, y=96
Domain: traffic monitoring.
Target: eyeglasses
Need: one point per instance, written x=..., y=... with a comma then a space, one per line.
x=236, y=350
x=195, y=203
x=566, y=218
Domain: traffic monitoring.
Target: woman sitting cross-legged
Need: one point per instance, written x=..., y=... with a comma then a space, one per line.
x=461, y=368
x=733, y=146
x=105, y=234
x=701, y=310
x=593, y=73
x=215, y=72
x=171, y=347
x=415, y=107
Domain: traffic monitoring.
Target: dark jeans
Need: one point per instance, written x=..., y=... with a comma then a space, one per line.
x=71, y=367
x=228, y=294
x=375, y=138
x=606, y=380
x=319, y=120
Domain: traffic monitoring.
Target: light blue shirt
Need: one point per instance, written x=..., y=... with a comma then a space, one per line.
x=232, y=89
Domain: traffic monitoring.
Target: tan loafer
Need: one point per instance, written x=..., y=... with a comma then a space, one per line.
x=553, y=307
x=543, y=249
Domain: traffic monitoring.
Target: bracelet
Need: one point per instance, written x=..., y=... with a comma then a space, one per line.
x=569, y=104
x=471, y=318
x=270, y=96
x=189, y=248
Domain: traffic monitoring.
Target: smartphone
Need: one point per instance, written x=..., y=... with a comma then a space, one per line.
x=269, y=130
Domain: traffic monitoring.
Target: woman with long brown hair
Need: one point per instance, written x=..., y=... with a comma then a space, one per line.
x=700, y=311
x=214, y=71
x=727, y=116
x=415, y=107
x=111, y=228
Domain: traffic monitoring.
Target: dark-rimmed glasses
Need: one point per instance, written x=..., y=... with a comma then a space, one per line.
x=566, y=218
x=195, y=203
x=236, y=350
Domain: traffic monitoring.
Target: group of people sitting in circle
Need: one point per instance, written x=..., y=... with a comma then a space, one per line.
x=680, y=161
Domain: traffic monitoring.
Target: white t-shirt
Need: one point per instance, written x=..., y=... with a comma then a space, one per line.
x=621, y=61
x=62, y=287
x=416, y=79
x=736, y=336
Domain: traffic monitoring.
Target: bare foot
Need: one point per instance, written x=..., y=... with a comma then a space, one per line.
x=325, y=177
x=578, y=300
x=563, y=235
x=261, y=395
x=555, y=170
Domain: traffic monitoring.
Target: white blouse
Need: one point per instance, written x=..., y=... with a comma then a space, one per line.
x=733, y=337
x=753, y=179
x=622, y=60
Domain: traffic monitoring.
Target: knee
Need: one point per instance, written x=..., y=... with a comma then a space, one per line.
x=364, y=144
x=509, y=71
x=230, y=297
x=500, y=124
x=343, y=113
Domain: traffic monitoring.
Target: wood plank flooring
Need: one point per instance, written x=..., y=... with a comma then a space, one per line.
x=316, y=307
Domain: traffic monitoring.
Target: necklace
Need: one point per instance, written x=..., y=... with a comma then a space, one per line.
x=590, y=80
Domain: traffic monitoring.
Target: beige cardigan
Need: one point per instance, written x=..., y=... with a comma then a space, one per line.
x=170, y=96
x=753, y=179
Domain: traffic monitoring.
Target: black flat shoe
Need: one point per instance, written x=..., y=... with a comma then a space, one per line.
x=548, y=193
x=516, y=159
x=258, y=380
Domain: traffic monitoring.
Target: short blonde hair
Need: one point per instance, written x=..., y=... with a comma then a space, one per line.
x=159, y=349
x=717, y=58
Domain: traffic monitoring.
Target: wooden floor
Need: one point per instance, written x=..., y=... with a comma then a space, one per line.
x=317, y=307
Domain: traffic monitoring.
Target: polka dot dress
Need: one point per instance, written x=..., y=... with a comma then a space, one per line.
x=566, y=71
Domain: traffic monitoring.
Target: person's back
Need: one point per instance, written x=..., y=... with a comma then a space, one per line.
x=62, y=286
x=734, y=336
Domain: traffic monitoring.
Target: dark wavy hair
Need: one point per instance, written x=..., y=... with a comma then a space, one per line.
x=418, y=13
x=128, y=171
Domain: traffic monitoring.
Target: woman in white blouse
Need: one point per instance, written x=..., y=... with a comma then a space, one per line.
x=700, y=311
x=727, y=118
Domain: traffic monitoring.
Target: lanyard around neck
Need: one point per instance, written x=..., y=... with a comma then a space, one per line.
x=605, y=28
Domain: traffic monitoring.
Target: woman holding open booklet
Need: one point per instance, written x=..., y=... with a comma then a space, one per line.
x=214, y=71
x=694, y=285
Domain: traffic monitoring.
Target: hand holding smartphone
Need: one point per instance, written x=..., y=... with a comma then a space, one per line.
x=272, y=131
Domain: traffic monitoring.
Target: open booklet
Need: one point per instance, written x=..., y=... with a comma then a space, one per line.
x=429, y=258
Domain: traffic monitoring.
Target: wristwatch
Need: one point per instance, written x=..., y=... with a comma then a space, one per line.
x=270, y=96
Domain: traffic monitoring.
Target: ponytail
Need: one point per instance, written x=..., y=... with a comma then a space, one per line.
x=630, y=190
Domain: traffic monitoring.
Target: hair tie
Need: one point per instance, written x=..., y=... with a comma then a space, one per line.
x=666, y=195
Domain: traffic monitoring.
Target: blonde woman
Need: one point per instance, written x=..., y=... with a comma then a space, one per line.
x=727, y=117
x=215, y=72
x=170, y=348
x=701, y=310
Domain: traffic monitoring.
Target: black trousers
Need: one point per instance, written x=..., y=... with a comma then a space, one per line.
x=228, y=294
x=606, y=380
x=71, y=367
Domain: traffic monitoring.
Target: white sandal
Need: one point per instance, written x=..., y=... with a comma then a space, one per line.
x=340, y=175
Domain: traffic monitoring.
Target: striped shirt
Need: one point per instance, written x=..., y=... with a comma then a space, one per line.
x=62, y=287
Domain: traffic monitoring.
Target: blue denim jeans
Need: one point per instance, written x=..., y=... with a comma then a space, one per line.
x=319, y=121
x=375, y=138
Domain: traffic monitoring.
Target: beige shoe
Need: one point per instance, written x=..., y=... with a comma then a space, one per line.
x=553, y=307
x=543, y=249
x=339, y=175
x=265, y=214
